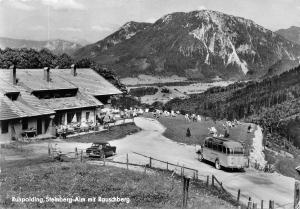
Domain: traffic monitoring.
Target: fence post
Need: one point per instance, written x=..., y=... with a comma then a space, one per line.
x=186, y=182
x=249, y=203
x=76, y=154
x=297, y=194
x=150, y=162
x=183, y=193
x=213, y=180
x=196, y=174
x=127, y=161
x=254, y=205
x=49, y=151
x=271, y=204
x=81, y=155
x=262, y=204
x=238, y=196
x=207, y=181
x=104, y=159
x=187, y=191
x=167, y=166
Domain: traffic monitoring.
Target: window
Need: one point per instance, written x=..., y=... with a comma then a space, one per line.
x=224, y=149
x=4, y=127
x=24, y=123
x=209, y=145
x=238, y=150
x=220, y=148
x=229, y=151
x=215, y=146
x=70, y=116
x=78, y=116
x=205, y=144
x=87, y=115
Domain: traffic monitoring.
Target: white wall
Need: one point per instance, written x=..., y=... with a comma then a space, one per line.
x=91, y=117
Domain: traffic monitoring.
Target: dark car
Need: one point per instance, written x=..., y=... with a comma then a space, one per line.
x=101, y=149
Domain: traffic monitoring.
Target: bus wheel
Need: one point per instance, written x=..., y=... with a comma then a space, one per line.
x=217, y=165
x=200, y=157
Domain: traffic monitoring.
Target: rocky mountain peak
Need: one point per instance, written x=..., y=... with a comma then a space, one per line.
x=198, y=45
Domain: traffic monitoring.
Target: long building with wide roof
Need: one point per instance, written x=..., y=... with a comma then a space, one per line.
x=39, y=99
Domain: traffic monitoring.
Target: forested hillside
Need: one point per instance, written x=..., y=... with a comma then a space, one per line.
x=274, y=103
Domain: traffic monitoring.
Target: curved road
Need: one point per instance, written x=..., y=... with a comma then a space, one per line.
x=151, y=142
x=255, y=184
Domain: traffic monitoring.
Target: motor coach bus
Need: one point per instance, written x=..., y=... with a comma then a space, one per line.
x=223, y=153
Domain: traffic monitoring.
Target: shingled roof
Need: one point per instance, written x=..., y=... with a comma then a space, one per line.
x=87, y=80
x=79, y=101
x=88, y=83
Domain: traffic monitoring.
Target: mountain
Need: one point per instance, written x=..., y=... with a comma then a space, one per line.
x=197, y=45
x=56, y=46
x=292, y=34
x=124, y=33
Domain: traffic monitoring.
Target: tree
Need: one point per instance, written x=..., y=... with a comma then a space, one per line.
x=84, y=63
x=64, y=61
x=47, y=59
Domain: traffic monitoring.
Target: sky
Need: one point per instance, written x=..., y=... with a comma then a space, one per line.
x=93, y=20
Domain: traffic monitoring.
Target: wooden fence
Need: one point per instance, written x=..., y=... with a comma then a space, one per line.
x=251, y=204
x=168, y=164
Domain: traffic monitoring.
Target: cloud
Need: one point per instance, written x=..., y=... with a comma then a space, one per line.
x=37, y=28
x=201, y=7
x=100, y=28
x=18, y=4
x=64, y=4
x=70, y=29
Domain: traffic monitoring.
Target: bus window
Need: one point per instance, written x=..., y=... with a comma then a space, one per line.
x=238, y=150
x=220, y=148
x=229, y=151
x=215, y=146
x=209, y=145
x=205, y=144
x=224, y=149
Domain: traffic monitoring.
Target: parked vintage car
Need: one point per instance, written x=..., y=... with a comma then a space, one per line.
x=101, y=149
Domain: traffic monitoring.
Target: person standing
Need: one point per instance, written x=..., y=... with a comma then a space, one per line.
x=188, y=132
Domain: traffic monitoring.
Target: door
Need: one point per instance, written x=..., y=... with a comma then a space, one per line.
x=39, y=127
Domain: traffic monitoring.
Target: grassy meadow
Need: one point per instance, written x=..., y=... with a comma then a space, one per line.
x=74, y=179
x=176, y=128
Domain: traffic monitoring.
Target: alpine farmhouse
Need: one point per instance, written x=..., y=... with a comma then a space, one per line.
x=43, y=99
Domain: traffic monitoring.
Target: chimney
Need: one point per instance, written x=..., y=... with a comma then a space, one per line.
x=47, y=74
x=14, y=74
x=73, y=70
